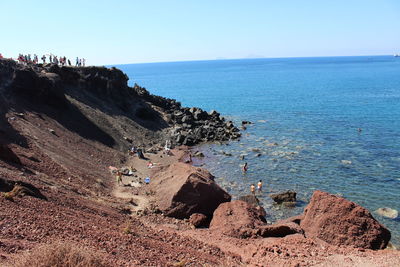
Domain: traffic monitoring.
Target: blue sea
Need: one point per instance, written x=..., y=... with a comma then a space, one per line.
x=306, y=113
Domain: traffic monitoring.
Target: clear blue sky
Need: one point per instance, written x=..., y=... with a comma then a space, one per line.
x=123, y=31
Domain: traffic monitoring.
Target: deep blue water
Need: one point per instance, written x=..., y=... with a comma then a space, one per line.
x=306, y=112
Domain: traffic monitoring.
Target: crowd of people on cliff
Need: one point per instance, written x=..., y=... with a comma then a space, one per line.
x=50, y=58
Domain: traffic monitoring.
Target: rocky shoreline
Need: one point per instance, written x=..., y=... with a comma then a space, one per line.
x=63, y=129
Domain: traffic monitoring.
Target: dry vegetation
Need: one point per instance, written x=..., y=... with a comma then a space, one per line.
x=59, y=255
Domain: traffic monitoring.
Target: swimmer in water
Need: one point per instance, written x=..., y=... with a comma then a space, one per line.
x=259, y=186
x=244, y=168
x=253, y=189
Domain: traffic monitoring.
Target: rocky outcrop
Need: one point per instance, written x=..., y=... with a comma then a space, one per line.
x=339, y=221
x=49, y=84
x=182, y=190
x=285, y=197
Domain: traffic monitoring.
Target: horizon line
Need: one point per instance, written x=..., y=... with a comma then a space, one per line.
x=242, y=58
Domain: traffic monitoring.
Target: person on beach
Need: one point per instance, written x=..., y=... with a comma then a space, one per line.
x=259, y=186
x=132, y=152
x=244, y=168
x=253, y=189
x=119, y=177
x=150, y=165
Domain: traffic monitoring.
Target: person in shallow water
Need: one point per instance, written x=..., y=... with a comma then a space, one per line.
x=259, y=186
x=253, y=189
x=244, y=168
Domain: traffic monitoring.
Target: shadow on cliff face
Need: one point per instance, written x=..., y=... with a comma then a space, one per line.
x=107, y=90
x=65, y=93
x=7, y=133
x=26, y=90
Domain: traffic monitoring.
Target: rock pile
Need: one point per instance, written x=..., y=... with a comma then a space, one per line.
x=194, y=125
x=191, y=126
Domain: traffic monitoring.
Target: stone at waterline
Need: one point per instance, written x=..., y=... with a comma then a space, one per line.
x=388, y=213
x=251, y=199
x=198, y=154
x=288, y=196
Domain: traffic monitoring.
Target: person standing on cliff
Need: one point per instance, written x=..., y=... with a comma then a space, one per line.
x=77, y=62
x=83, y=62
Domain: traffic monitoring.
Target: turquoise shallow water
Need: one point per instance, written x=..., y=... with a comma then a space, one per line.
x=306, y=112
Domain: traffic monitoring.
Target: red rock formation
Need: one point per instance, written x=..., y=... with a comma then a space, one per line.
x=339, y=221
x=182, y=190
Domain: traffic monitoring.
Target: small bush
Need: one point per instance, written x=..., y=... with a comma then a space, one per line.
x=8, y=196
x=59, y=255
x=127, y=229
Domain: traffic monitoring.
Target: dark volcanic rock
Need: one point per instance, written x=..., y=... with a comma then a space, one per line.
x=339, y=221
x=251, y=199
x=182, y=190
x=288, y=196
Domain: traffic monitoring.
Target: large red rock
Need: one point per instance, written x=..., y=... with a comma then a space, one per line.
x=339, y=221
x=238, y=219
x=183, y=189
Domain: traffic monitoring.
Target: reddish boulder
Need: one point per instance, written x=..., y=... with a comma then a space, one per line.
x=199, y=220
x=182, y=189
x=238, y=219
x=339, y=221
